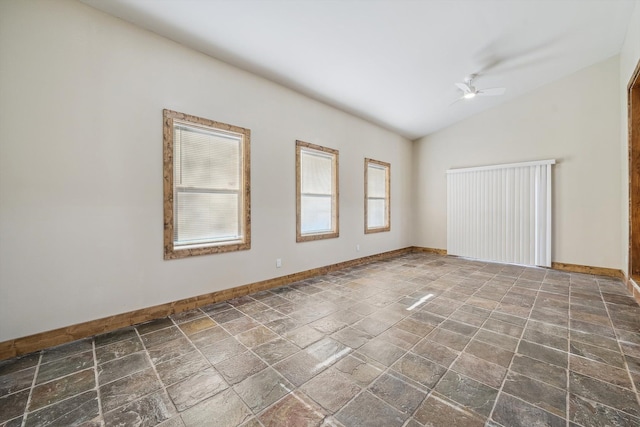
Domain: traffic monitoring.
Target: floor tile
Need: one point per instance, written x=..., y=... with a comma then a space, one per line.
x=181, y=367
x=76, y=410
x=118, y=349
x=479, y=369
x=419, y=369
x=196, y=388
x=471, y=394
x=240, y=367
x=13, y=405
x=382, y=351
x=61, y=388
x=122, y=367
x=222, y=410
x=150, y=410
x=16, y=381
x=397, y=393
x=437, y=412
x=263, y=389
x=295, y=410
x=299, y=368
x=603, y=392
x=276, y=350
x=368, y=411
x=514, y=412
x=537, y=393
x=359, y=371
x=330, y=389
x=128, y=389
x=222, y=350
x=591, y=414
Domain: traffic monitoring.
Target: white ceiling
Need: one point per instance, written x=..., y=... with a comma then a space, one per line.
x=393, y=62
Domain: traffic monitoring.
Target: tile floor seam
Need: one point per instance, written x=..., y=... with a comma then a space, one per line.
x=95, y=367
x=568, y=393
x=33, y=385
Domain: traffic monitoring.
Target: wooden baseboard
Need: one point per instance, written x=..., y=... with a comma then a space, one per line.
x=633, y=287
x=586, y=269
x=42, y=340
x=429, y=250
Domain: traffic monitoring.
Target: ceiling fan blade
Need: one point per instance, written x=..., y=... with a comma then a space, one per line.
x=494, y=91
x=463, y=87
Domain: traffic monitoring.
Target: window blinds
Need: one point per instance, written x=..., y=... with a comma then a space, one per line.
x=501, y=213
x=376, y=196
x=316, y=195
x=208, y=183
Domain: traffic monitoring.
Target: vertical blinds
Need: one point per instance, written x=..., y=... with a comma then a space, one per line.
x=207, y=183
x=317, y=189
x=376, y=196
x=501, y=213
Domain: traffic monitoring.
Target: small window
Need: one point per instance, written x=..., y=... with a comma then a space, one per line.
x=206, y=186
x=377, y=215
x=316, y=192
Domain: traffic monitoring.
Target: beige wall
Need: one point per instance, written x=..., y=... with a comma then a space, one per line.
x=81, y=168
x=576, y=121
x=629, y=57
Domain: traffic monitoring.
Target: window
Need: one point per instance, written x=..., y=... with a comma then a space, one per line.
x=206, y=186
x=316, y=192
x=377, y=215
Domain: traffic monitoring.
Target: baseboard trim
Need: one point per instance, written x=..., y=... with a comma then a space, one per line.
x=42, y=340
x=633, y=287
x=429, y=250
x=586, y=269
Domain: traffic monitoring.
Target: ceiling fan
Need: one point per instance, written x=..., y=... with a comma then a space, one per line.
x=469, y=91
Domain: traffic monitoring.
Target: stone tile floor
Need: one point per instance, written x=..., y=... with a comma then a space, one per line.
x=418, y=340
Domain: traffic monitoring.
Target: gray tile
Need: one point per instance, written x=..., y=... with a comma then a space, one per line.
x=419, y=369
x=330, y=389
x=62, y=388
x=295, y=409
x=122, y=367
x=359, y=371
x=602, y=392
x=118, y=349
x=222, y=410
x=263, y=389
x=16, y=381
x=437, y=412
x=382, y=351
x=480, y=370
x=276, y=350
x=240, y=367
x=196, y=388
x=541, y=371
x=181, y=367
x=128, y=389
x=13, y=405
x=537, y=393
x=150, y=410
x=544, y=354
x=592, y=414
x=397, y=393
x=154, y=325
x=514, y=412
x=469, y=393
x=299, y=368
x=368, y=411
x=73, y=411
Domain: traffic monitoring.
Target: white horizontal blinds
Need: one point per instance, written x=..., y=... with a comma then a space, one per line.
x=208, y=183
x=377, y=203
x=317, y=189
x=501, y=213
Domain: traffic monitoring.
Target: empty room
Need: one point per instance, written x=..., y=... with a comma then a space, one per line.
x=320, y=213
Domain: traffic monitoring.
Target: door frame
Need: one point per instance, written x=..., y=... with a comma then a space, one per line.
x=633, y=110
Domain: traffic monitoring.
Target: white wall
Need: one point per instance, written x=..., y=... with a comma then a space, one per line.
x=575, y=120
x=629, y=57
x=81, y=105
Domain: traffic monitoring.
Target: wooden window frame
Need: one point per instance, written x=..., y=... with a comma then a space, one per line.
x=387, y=168
x=244, y=243
x=335, y=232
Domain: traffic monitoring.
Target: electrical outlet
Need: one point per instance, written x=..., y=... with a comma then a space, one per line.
x=278, y=263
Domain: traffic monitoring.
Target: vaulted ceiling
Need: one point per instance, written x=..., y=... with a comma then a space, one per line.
x=394, y=62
